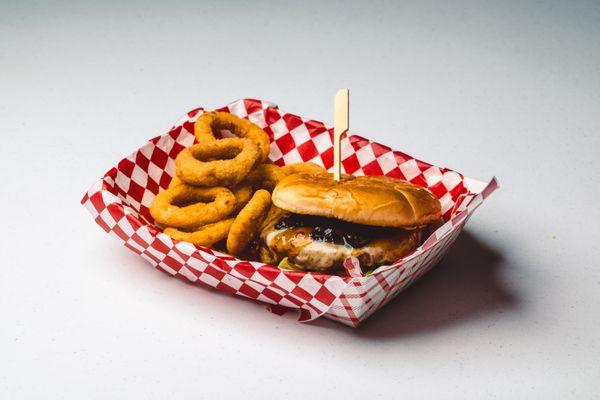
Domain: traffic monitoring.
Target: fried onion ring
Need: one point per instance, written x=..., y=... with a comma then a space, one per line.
x=210, y=122
x=206, y=235
x=224, y=162
x=175, y=181
x=265, y=176
x=246, y=224
x=243, y=194
x=188, y=207
x=303, y=168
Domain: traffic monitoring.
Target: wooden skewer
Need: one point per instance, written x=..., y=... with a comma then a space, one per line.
x=341, y=122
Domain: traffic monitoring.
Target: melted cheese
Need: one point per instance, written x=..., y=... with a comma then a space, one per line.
x=323, y=255
x=295, y=243
x=271, y=235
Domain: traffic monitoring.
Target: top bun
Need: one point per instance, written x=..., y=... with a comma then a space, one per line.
x=367, y=200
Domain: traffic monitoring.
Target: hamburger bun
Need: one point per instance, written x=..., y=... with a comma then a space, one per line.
x=368, y=200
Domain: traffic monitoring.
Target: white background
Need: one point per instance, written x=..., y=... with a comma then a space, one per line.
x=486, y=88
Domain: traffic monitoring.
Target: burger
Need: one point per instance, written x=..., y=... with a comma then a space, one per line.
x=316, y=223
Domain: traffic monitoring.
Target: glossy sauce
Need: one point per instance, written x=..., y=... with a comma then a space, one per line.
x=290, y=241
x=334, y=231
x=322, y=244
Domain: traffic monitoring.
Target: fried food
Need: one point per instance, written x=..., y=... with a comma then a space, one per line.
x=175, y=181
x=303, y=168
x=210, y=122
x=188, y=207
x=265, y=176
x=243, y=194
x=223, y=162
x=275, y=214
x=374, y=219
x=220, y=194
x=248, y=221
x=206, y=235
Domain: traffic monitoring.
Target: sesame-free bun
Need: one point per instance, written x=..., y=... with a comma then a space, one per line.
x=367, y=200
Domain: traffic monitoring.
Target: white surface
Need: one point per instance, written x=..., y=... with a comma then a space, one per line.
x=487, y=88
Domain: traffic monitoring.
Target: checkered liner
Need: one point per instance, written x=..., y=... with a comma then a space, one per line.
x=119, y=203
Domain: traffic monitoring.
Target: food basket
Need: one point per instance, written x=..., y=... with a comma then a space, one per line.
x=120, y=200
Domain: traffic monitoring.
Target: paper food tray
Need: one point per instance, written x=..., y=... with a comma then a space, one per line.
x=120, y=201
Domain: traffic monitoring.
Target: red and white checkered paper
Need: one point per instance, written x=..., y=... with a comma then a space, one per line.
x=119, y=203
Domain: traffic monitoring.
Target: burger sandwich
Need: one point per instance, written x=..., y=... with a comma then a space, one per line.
x=316, y=223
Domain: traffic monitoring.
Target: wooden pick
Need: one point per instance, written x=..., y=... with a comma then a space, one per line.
x=341, y=122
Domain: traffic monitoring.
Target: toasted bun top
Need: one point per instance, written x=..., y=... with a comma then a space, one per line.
x=368, y=200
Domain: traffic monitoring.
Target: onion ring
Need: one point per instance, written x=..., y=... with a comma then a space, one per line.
x=243, y=194
x=303, y=168
x=186, y=207
x=175, y=181
x=248, y=221
x=206, y=235
x=265, y=176
x=209, y=122
x=224, y=162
